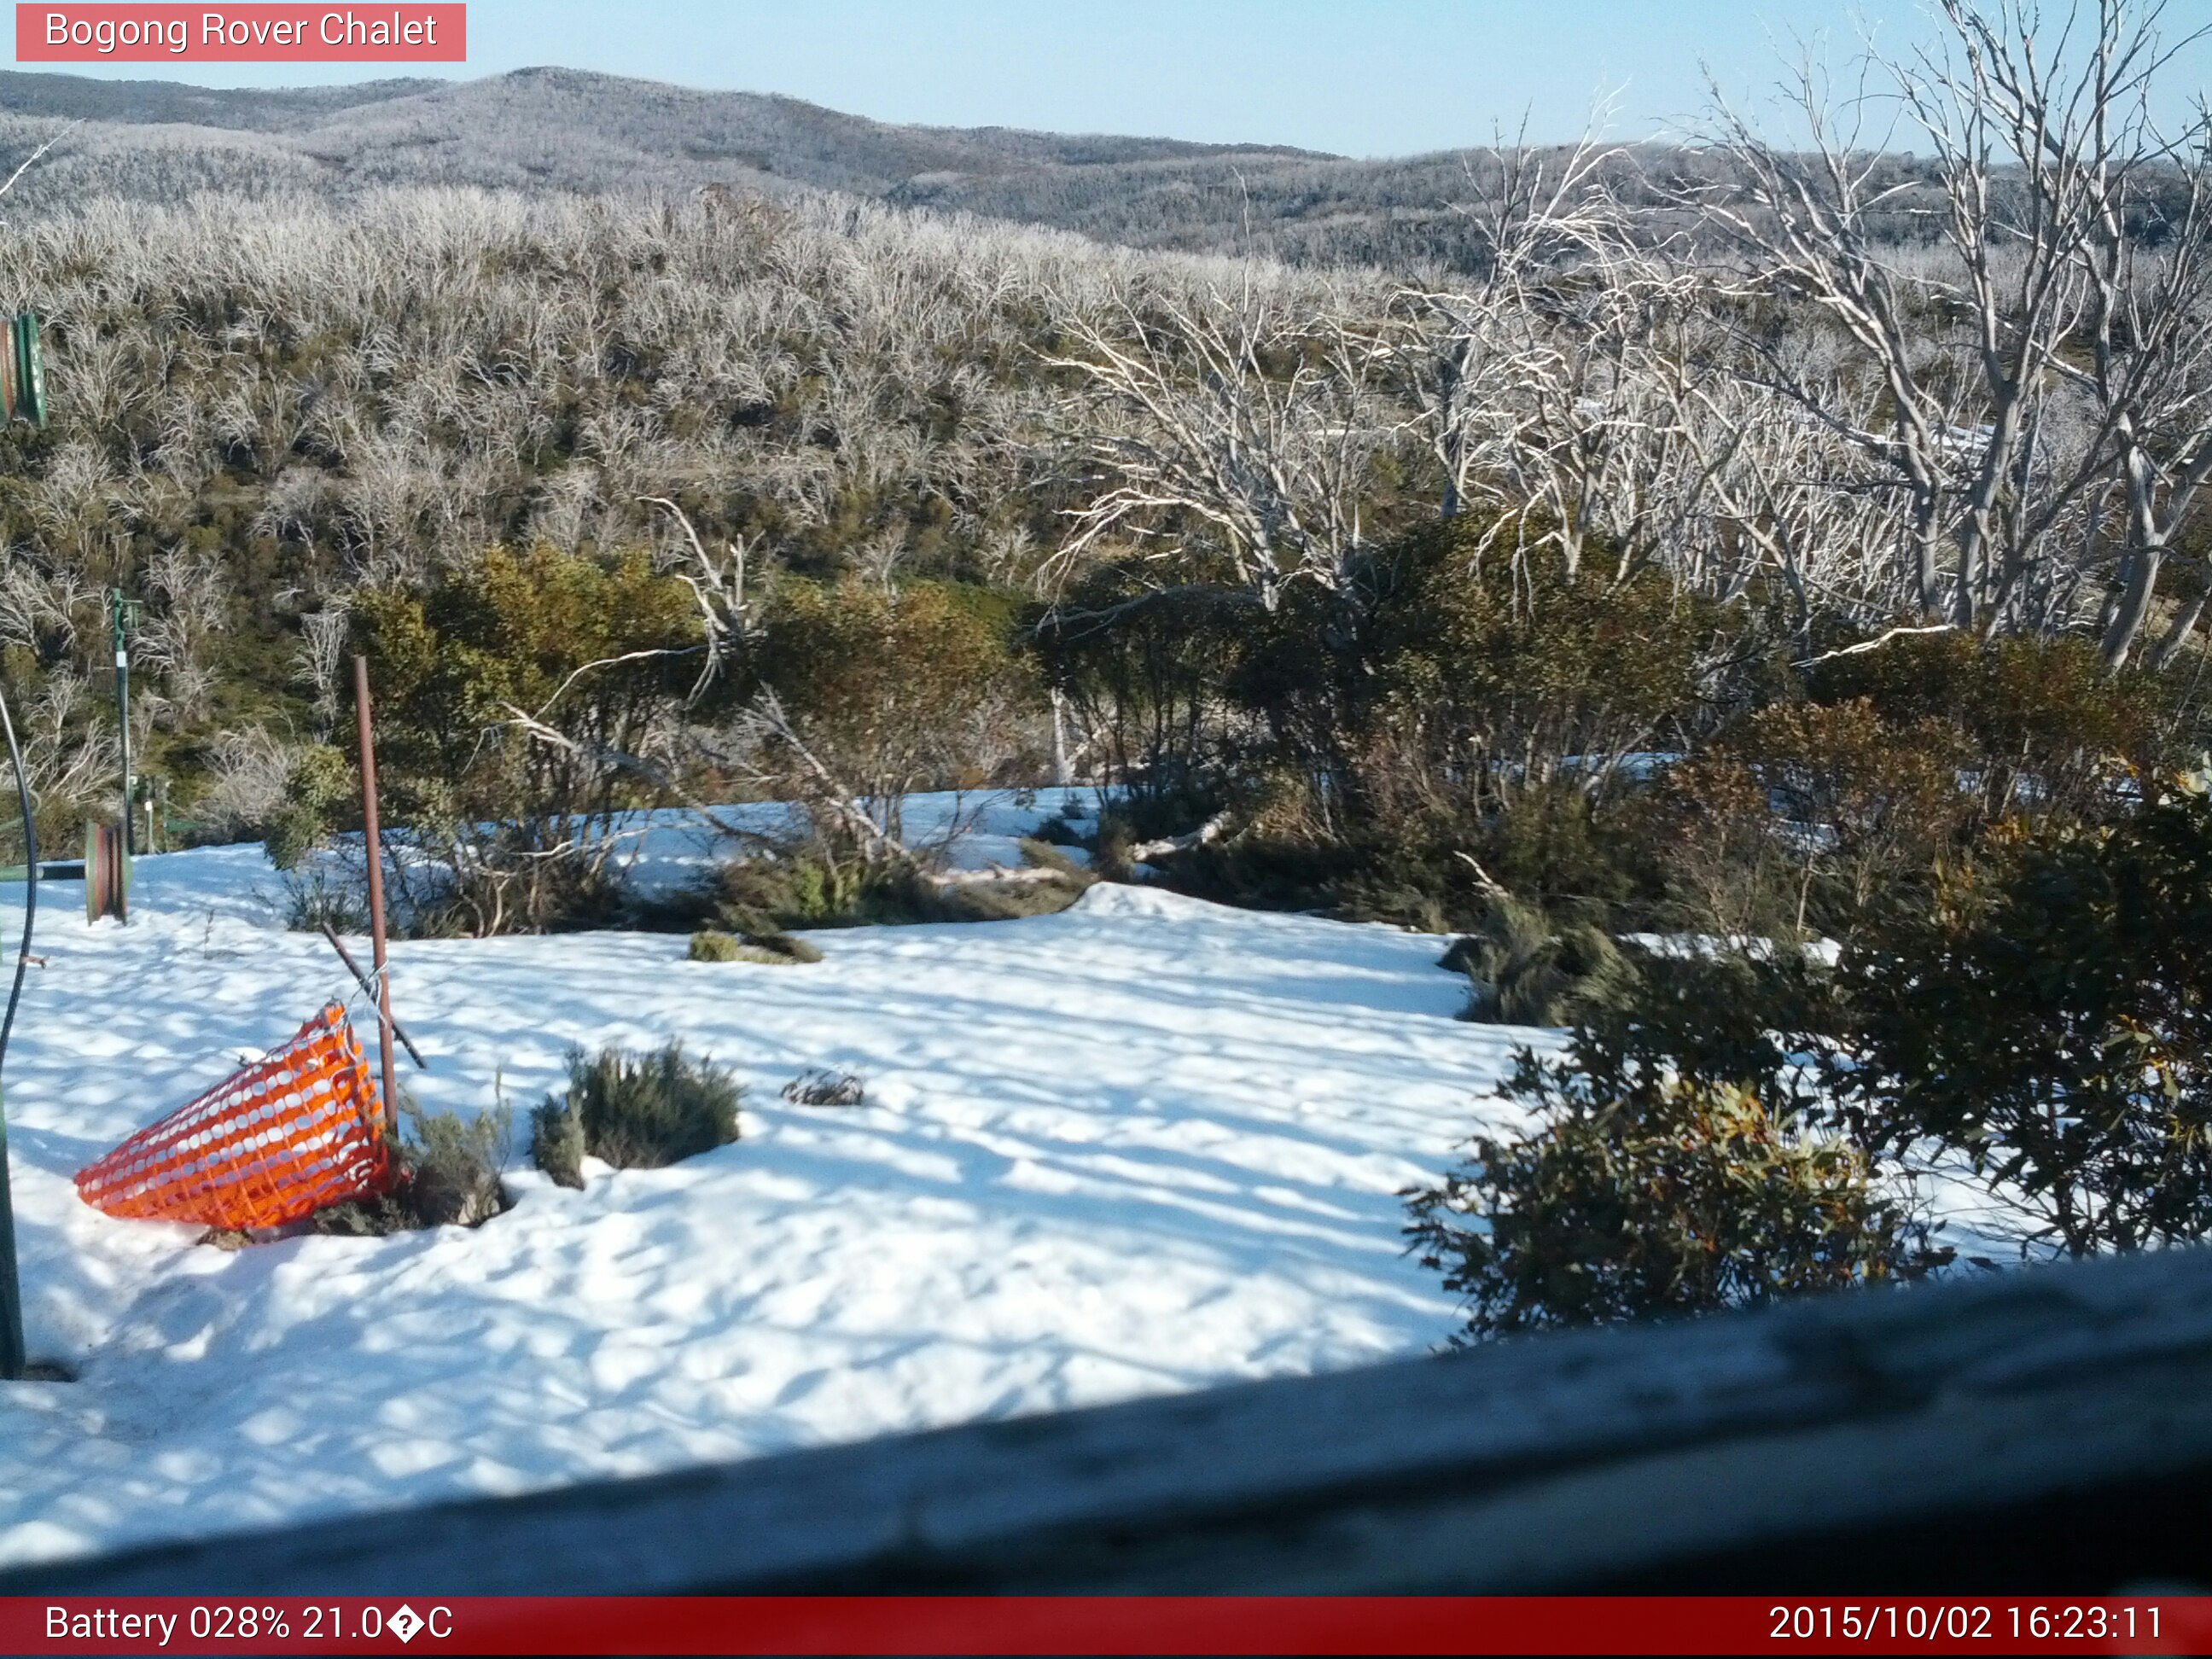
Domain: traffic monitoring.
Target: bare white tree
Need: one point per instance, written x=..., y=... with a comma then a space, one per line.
x=1462, y=355
x=2070, y=229
x=1242, y=420
x=718, y=584
x=319, y=663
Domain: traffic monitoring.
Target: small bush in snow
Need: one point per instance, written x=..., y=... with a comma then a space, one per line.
x=777, y=949
x=448, y=1175
x=825, y=1088
x=1042, y=851
x=709, y=945
x=1005, y=898
x=1668, y=1196
x=644, y=1111
x=454, y=1167
x=318, y=790
x=1524, y=969
x=758, y=898
x=557, y=1143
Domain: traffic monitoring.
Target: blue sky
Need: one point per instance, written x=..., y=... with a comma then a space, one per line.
x=1363, y=77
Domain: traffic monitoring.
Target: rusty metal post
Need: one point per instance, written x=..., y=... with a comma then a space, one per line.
x=373, y=837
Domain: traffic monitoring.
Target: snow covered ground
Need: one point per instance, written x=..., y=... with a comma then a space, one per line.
x=1146, y=1145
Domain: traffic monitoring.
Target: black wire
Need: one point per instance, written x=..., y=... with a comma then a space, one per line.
x=30, y=877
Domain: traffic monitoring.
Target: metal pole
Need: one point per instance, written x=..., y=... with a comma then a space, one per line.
x=11, y=1295
x=12, y=1357
x=28, y=398
x=374, y=838
x=123, y=708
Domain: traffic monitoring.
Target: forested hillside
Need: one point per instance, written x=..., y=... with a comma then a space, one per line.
x=271, y=400
x=265, y=407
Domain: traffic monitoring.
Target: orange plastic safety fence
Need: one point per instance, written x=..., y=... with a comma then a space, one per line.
x=275, y=1141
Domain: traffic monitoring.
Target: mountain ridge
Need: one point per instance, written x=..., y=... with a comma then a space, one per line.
x=548, y=128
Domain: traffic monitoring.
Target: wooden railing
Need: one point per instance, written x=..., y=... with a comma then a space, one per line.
x=2038, y=1431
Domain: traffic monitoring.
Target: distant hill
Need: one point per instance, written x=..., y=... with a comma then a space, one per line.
x=142, y=103
x=570, y=130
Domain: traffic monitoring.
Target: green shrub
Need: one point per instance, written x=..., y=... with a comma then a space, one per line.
x=557, y=1143
x=1143, y=668
x=321, y=792
x=1524, y=968
x=1001, y=900
x=1676, y=1197
x=2049, y=1017
x=709, y=945
x=2041, y=1012
x=889, y=692
x=776, y=950
x=518, y=818
x=2049, y=729
x=639, y=1111
x=454, y=1165
x=1449, y=669
x=1060, y=832
x=1552, y=844
x=1751, y=1018
x=447, y=1174
x=1041, y=853
x=785, y=947
x=1561, y=841
x=757, y=896
x=1808, y=816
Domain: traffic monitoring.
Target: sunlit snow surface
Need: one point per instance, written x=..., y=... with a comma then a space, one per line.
x=1146, y=1145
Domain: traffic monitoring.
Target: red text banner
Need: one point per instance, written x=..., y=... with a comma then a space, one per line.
x=936, y=1624
x=259, y=33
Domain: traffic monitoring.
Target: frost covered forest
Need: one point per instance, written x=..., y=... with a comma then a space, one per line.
x=1800, y=543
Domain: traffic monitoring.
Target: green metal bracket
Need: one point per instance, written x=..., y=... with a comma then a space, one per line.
x=23, y=371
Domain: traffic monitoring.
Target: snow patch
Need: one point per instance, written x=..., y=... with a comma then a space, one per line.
x=1148, y=1144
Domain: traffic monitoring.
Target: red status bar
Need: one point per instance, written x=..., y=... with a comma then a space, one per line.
x=72, y=32
x=1105, y=1625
